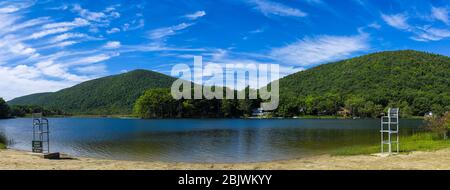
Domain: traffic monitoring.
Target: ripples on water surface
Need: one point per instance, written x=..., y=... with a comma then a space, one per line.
x=191, y=140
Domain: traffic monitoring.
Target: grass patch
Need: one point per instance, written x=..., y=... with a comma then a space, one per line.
x=417, y=142
x=2, y=141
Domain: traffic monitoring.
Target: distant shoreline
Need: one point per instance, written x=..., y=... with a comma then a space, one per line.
x=434, y=160
x=263, y=118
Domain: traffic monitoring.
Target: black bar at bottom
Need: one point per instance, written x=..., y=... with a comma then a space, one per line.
x=213, y=179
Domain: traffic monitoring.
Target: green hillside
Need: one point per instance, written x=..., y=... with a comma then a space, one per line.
x=109, y=95
x=415, y=81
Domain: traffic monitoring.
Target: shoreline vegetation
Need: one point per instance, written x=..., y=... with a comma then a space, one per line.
x=434, y=137
x=3, y=141
x=431, y=160
x=423, y=141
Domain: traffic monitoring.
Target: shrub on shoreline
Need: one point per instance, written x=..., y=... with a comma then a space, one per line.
x=440, y=125
x=2, y=141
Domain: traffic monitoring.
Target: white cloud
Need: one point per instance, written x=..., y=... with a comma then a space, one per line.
x=398, y=21
x=422, y=33
x=89, y=15
x=13, y=49
x=90, y=59
x=167, y=31
x=78, y=22
x=133, y=25
x=245, y=64
x=25, y=68
x=112, y=11
x=62, y=7
x=21, y=49
x=22, y=80
x=67, y=36
x=112, y=45
x=92, y=69
x=441, y=14
x=320, y=49
x=14, y=6
x=60, y=44
x=268, y=8
x=196, y=15
x=374, y=25
x=56, y=70
x=113, y=30
x=44, y=33
x=20, y=26
x=99, y=17
x=431, y=34
x=7, y=21
x=259, y=30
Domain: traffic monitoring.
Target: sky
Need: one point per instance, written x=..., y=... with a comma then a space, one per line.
x=48, y=45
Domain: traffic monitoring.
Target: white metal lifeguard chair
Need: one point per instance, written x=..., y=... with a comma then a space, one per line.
x=389, y=128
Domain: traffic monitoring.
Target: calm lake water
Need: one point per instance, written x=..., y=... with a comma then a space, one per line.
x=191, y=140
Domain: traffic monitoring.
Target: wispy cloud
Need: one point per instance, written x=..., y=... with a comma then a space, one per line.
x=239, y=62
x=14, y=6
x=269, y=8
x=315, y=50
x=92, y=69
x=374, y=25
x=43, y=33
x=134, y=25
x=399, y=21
x=22, y=80
x=89, y=15
x=113, y=30
x=422, y=32
x=90, y=59
x=60, y=44
x=97, y=19
x=112, y=45
x=195, y=15
x=78, y=22
x=67, y=36
x=425, y=34
x=161, y=33
x=441, y=14
x=35, y=54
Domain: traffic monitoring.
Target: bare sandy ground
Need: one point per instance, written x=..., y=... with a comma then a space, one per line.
x=437, y=160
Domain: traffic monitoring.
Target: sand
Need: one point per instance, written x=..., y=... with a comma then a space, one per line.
x=436, y=160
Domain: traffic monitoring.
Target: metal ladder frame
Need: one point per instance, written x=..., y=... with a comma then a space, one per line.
x=390, y=127
x=41, y=132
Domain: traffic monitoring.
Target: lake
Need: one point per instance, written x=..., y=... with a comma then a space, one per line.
x=195, y=140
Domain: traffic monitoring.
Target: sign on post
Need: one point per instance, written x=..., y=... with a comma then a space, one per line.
x=37, y=146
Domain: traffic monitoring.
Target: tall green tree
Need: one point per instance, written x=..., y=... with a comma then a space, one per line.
x=4, y=109
x=156, y=103
x=355, y=104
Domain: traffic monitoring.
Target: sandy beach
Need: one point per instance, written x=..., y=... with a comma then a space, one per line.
x=437, y=160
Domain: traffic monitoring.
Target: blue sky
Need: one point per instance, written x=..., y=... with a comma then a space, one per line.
x=49, y=45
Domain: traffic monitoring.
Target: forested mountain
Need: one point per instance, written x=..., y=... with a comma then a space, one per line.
x=417, y=82
x=108, y=95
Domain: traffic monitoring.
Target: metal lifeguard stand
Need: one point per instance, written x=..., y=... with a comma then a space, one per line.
x=389, y=128
x=41, y=134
